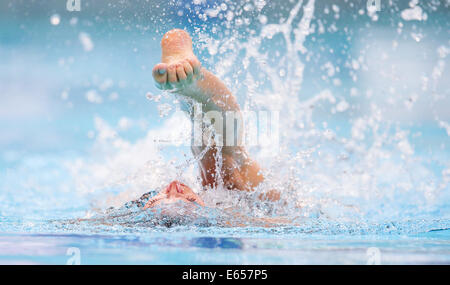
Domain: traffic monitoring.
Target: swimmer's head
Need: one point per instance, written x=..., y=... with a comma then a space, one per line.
x=173, y=193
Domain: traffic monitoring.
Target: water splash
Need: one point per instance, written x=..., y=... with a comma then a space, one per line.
x=363, y=175
x=371, y=176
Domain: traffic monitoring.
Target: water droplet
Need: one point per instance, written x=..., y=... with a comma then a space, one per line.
x=263, y=19
x=417, y=36
x=164, y=109
x=151, y=97
x=55, y=20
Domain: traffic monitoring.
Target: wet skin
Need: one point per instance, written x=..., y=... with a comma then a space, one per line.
x=181, y=71
x=174, y=192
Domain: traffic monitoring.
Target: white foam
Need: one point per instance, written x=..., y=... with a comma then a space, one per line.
x=337, y=174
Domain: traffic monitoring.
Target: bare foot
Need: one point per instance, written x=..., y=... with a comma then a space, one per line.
x=179, y=66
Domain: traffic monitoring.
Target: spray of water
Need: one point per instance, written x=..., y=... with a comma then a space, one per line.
x=361, y=180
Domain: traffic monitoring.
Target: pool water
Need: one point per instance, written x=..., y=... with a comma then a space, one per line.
x=362, y=159
x=215, y=246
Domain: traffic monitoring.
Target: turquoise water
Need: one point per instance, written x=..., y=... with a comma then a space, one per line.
x=365, y=130
x=221, y=247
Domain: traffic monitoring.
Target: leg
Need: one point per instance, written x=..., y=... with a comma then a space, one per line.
x=181, y=70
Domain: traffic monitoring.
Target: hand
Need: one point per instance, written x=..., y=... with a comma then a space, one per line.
x=177, y=73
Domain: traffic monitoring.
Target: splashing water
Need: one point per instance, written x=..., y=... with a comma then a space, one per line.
x=351, y=157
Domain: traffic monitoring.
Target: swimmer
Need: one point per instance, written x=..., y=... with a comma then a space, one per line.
x=181, y=72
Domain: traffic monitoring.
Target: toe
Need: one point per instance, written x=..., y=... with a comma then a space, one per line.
x=188, y=69
x=181, y=74
x=172, y=73
x=160, y=73
x=195, y=63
